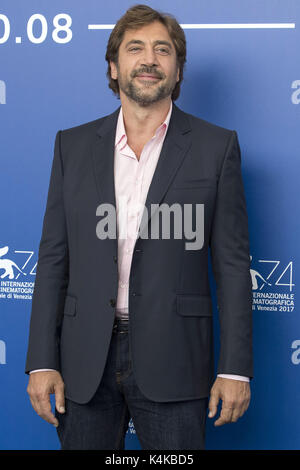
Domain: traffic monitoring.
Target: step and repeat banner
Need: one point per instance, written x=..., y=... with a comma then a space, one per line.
x=242, y=73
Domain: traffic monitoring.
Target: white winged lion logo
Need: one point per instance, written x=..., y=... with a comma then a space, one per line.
x=8, y=265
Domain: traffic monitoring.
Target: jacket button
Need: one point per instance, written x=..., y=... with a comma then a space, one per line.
x=112, y=302
x=115, y=259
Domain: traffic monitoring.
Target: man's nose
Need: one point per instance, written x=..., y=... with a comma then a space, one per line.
x=149, y=57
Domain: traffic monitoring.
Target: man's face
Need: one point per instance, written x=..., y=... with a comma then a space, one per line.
x=146, y=70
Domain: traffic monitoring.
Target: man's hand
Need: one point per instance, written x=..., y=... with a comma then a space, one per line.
x=40, y=386
x=235, y=396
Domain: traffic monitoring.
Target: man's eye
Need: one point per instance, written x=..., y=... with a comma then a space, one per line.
x=160, y=49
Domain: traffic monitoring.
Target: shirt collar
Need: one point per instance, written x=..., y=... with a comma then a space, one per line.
x=121, y=137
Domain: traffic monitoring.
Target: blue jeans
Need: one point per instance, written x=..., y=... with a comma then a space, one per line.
x=103, y=421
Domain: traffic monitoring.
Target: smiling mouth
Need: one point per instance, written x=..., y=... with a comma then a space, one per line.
x=148, y=77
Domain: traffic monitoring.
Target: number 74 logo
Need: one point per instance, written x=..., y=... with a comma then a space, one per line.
x=274, y=266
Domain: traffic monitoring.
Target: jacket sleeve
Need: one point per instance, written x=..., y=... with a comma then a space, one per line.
x=230, y=255
x=51, y=276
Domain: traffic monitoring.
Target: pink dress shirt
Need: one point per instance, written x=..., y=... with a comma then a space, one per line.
x=132, y=180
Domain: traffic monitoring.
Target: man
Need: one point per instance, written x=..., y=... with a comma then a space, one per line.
x=122, y=326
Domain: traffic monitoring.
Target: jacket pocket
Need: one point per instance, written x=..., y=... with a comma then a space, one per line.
x=194, y=183
x=70, y=306
x=194, y=305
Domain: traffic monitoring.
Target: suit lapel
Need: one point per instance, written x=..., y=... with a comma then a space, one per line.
x=176, y=144
x=103, y=158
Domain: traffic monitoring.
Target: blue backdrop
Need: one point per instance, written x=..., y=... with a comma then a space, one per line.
x=242, y=78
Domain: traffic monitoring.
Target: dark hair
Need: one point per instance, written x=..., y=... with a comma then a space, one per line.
x=134, y=18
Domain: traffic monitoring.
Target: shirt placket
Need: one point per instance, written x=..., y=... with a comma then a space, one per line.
x=136, y=202
x=135, y=205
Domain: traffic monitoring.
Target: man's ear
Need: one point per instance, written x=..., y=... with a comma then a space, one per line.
x=177, y=79
x=113, y=70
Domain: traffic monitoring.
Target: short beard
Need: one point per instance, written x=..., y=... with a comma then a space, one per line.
x=143, y=99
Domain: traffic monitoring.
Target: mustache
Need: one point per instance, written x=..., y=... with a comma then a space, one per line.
x=148, y=70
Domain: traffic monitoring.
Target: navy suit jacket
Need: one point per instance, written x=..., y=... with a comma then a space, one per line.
x=170, y=304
